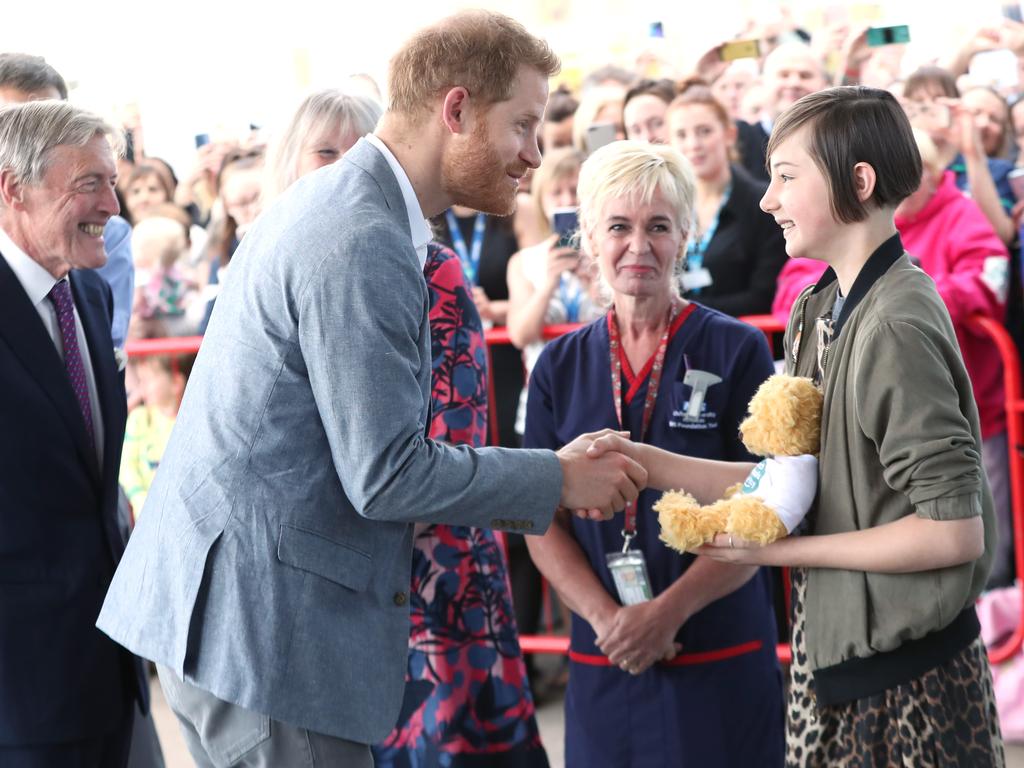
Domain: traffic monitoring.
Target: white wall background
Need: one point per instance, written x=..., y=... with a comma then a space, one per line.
x=214, y=66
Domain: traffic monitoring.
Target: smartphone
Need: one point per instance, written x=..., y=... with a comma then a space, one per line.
x=888, y=35
x=740, y=49
x=1012, y=12
x=656, y=29
x=1016, y=179
x=565, y=223
x=598, y=135
x=202, y=139
x=129, y=145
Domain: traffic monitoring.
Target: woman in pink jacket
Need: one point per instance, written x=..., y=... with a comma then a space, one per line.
x=950, y=238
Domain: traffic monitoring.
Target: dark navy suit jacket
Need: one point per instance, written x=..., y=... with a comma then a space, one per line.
x=61, y=679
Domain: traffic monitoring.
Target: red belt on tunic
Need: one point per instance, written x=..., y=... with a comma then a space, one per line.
x=681, y=659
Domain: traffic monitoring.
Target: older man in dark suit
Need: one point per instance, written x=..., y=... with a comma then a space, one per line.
x=66, y=691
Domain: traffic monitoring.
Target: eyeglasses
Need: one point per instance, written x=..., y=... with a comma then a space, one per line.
x=931, y=111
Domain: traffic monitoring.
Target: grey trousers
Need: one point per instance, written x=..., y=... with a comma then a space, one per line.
x=221, y=735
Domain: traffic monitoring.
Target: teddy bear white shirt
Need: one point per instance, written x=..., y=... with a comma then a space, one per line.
x=787, y=484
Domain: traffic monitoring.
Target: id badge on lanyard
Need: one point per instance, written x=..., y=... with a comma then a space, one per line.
x=629, y=572
x=629, y=567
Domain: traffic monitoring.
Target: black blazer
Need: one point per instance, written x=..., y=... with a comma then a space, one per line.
x=61, y=679
x=745, y=255
x=752, y=143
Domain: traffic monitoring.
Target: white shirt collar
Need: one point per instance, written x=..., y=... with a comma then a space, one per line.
x=421, y=234
x=36, y=281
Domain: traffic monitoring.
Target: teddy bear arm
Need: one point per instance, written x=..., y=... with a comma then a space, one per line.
x=751, y=519
x=685, y=524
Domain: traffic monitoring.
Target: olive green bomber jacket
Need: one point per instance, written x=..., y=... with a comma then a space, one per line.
x=900, y=435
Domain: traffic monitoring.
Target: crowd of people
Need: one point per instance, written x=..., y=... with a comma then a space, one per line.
x=290, y=515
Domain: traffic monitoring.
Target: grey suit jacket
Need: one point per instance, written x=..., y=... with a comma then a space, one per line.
x=271, y=562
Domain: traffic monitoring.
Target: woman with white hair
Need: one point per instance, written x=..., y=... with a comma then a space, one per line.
x=673, y=656
x=324, y=127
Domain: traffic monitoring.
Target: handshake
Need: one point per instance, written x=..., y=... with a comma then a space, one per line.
x=601, y=473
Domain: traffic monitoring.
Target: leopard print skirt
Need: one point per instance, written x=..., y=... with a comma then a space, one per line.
x=945, y=718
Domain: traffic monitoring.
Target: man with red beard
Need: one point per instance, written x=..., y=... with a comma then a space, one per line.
x=269, y=574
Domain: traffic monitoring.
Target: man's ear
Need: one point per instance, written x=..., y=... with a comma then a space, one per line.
x=864, y=181
x=454, y=110
x=12, y=190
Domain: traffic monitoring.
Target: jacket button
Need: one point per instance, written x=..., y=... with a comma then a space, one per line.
x=400, y=598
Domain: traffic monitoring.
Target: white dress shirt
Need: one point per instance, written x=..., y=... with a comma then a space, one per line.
x=418, y=226
x=37, y=284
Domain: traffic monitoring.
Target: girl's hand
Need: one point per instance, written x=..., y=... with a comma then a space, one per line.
x=726, y=548
x=611, y=440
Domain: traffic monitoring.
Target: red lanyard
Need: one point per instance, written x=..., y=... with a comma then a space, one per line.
x=653, y=383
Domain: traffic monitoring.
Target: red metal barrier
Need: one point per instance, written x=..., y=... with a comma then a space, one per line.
x=769, y=326
x=174, y=345
x=1014, y=434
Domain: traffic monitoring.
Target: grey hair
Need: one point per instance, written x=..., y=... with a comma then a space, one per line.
x=30, y=132
x=30, y=74
x=319, y=110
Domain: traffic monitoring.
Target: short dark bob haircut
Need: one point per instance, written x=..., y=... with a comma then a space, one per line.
x=850, y=125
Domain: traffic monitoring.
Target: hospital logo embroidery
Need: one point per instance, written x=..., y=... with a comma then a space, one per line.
x=695, y=413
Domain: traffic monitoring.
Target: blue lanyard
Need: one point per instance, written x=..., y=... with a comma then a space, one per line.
x=470, y=258
x=570, y=299
x=695, y=249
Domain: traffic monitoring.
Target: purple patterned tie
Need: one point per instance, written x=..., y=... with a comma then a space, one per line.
x=60, y=295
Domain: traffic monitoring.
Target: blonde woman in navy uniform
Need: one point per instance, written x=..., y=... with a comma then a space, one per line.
x=676, y=667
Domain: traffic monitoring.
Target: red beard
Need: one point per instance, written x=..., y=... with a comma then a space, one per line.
x=475, y=177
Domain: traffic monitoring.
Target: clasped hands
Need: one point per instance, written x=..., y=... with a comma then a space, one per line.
x=600, y=476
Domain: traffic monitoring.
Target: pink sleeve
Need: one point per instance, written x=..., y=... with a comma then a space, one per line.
x=978, y=267
x=794, y=277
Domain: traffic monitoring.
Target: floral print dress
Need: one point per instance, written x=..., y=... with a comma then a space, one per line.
x=467, y=701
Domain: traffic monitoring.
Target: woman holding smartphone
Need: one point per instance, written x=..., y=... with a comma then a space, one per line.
x=549, y=282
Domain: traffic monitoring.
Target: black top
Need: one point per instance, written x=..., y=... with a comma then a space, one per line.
x=746, y=254
x=752, y=143
x=499, y=245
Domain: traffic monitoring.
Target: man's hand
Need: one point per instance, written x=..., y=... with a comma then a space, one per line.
x=601, y=485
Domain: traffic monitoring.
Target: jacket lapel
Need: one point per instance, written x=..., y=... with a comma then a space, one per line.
x=26, y=335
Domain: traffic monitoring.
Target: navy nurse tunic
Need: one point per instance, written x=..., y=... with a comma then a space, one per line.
x=719, y=703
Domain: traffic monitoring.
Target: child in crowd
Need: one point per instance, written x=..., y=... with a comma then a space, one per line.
x=161, y=382
x=888, y=666
x=146, y=188
x=162, y=289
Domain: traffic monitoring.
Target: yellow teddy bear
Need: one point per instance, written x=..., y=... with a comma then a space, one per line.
x=784, y=424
